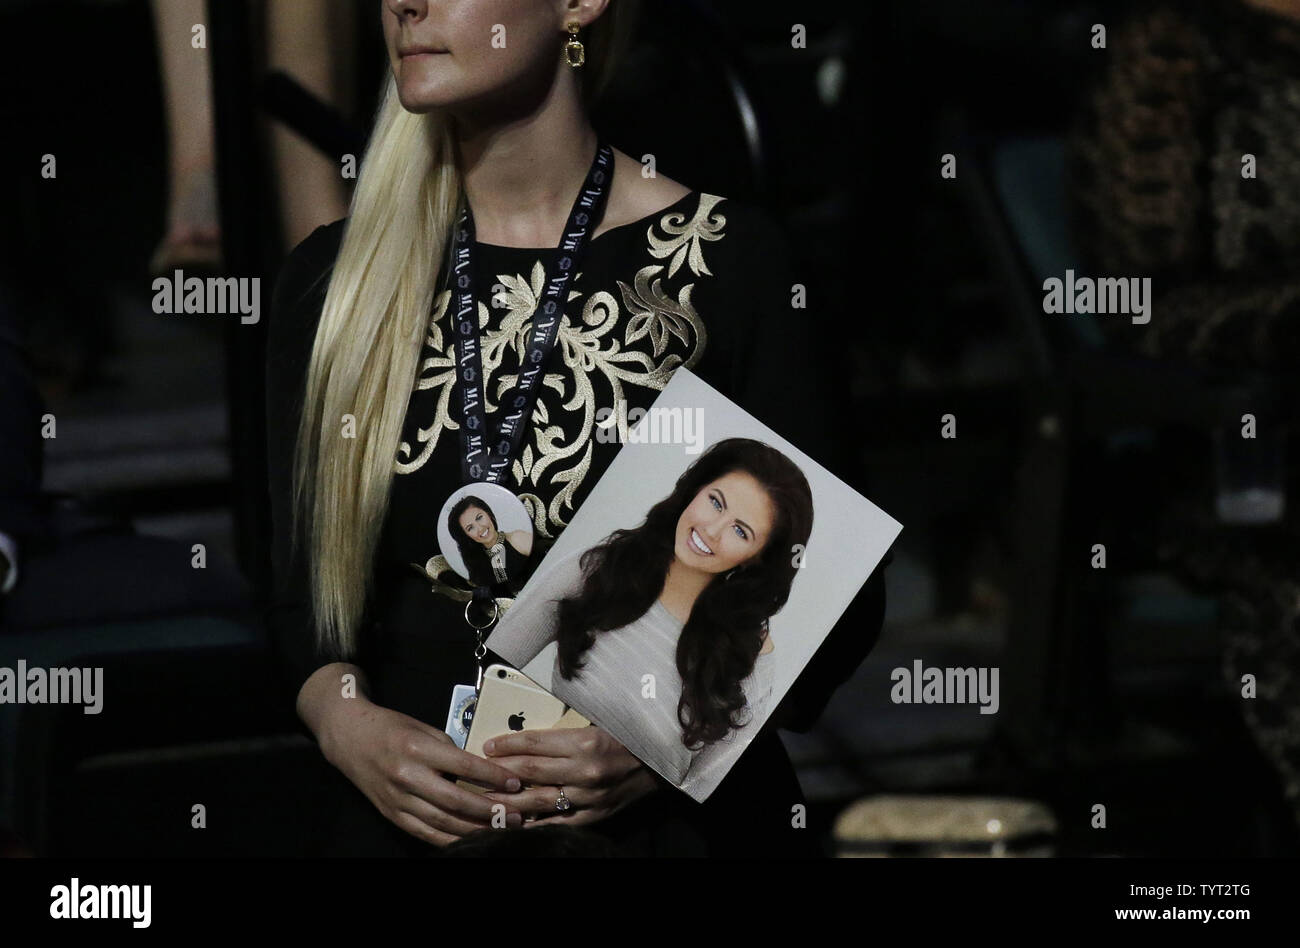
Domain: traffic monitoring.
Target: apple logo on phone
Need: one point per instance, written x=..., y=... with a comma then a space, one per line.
x=515, y=722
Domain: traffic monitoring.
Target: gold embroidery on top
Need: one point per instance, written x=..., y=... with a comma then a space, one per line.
x=445, y=581
x=436, y=371
x=656, y=315
x=684, y=242
x=661, y=332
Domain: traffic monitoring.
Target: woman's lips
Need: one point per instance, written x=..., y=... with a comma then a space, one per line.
x=698, y=545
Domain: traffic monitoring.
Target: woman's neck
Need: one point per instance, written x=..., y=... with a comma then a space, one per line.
x=523, y=173
x=682, y=587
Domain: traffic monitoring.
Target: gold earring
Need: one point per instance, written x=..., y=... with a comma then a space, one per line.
x=574, y=53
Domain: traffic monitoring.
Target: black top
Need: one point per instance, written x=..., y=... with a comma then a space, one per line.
x=704, y=283
x=517, y=569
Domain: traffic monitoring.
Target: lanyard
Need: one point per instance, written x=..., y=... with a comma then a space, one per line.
x=486, y=453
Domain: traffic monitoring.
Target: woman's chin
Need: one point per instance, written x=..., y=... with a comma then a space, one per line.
x=419, y=97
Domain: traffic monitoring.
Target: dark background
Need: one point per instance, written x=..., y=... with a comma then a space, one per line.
x=1113, y=682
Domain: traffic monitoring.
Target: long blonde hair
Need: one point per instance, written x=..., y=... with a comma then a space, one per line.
x=368, y=341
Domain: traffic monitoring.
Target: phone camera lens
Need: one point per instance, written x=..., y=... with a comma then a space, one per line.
x=501, y=673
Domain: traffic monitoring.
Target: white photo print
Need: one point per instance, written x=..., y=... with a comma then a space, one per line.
x=692, y=587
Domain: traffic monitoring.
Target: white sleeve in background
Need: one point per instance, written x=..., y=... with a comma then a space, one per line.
x=10, y=551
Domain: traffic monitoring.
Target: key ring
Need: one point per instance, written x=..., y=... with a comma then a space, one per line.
x=495, y=612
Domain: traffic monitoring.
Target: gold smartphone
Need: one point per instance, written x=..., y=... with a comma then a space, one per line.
x=509, y=702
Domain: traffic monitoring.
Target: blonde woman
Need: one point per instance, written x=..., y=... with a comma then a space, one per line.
x=368, y=402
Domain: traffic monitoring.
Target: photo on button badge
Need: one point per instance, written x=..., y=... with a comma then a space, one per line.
x=486, y=536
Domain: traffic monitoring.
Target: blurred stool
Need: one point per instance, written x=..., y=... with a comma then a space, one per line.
x=888, y=825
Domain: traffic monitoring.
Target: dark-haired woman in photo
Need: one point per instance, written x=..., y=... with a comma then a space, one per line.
x=492, y=558
x=685, y=598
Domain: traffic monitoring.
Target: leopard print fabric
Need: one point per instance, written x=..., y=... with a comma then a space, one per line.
x=1157, y=186
x=1155, y=163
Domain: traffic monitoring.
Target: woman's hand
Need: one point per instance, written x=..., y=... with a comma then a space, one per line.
x=599, y=775
x=407, y=769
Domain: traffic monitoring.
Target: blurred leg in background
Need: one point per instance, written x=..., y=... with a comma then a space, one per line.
x=193, y=237
x=312, y=42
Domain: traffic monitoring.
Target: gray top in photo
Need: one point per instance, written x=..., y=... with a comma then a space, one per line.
x=611, y=689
